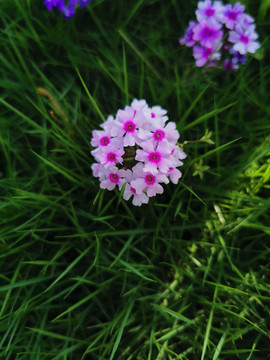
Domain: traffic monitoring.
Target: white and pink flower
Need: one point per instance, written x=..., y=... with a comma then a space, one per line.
x=148, y=183
x=158, y=133
x=114, y=177
x=155, y=158
x=209, y=10
x=232, y=15
x=204, y=55
x=108, y=156
x=137, y=150
x=244, y=40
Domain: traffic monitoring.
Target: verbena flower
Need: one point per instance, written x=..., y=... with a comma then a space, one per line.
x=188, y=36
x=209, y=10
x=67, y=8
x=204, y=55
x=222, y=36
x=207, y=33
x=232, y=15
x=137, y=150
x=244, y=39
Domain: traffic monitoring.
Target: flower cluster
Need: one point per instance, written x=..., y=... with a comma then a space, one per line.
x=223, y=34
x=68, y=10
x=137, y=150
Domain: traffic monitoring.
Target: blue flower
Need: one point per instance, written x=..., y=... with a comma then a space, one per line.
x=68, y=10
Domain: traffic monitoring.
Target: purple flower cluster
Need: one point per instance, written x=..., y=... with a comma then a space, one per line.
x=223, y=34
x=137, y=150
x=68, y=10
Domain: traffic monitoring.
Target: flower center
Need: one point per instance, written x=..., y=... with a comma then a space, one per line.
x=232, y=15
x=150, y=179
x=104, y=141
x=209, y=12
x=208, y=52
x=159, y=135
x=111, y=157
x=244, y=39
x=132, y=190
x=153, y=115
x=154, y=157
x=129, y=126
x=207, y=32
x=114, y=178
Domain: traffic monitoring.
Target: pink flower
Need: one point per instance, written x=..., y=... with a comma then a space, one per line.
x=138, y=199
x=177, y=154
x=113, y=178
x=245, y=20
x=155, y=158
x=205, y=55
x=100, y=138
x=98, y=171
x=208, y=10
x=108, y=124
x=108, y=156
x=208, y=34
x=158, y=116
x=174, y=175
x=149, y=183
x=127, y=123
x=232, y=14
x=137, y=149
x=168, y=133
x=188, y=36
x=138, y=105
x=244, y=39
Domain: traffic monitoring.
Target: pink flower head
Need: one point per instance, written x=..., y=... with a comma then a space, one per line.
x=174, y=175
x=155, y=158
x=208, y=10
x=156, y=115
x=168, y=133
x=149, y=183
x=137, y=149
x=208, y=34
x=108, y=156
x=232, y=14
x=127, y=123
x=100, y=138
x=205, y=55
x=113, y=178
x=138, y=199
x=244, y=39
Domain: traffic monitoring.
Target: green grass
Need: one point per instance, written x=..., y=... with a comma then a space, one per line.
x=85, y=274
